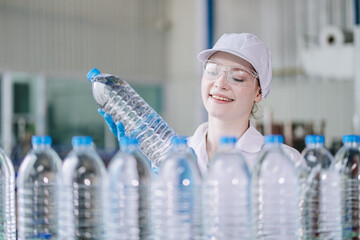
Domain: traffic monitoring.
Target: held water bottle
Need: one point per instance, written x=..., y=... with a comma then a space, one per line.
x=276, y=193
x=83, y=193
x=37, y=193
x=226, y=195
x=177, y=204
x=7, y=201
x=348, y=164
x=130, y=184
x=323, y=218
x=117, y=98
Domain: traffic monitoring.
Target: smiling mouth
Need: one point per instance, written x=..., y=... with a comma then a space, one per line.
x=221, y=98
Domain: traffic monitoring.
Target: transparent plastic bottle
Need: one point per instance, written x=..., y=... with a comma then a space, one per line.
x=323, y=219
x=348, y=164
x=226, y=195
x=7, y=201
x=276, y=193
x=177, y=202
x=130, y=187
x=117, y=98
x=37, y=193
x=83, y=193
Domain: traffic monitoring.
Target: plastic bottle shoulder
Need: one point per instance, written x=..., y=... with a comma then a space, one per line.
x=84, y=166
x=128, y=166
x=6, y=166
x=228, y=165
x=38, y=163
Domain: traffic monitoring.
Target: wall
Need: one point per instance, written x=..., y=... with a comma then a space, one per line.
x=72, y=36
x=183, y=77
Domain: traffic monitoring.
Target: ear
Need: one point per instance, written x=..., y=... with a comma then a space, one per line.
x=258, y=95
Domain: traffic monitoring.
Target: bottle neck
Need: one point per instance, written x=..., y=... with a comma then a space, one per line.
x=41, y=146
x=272, y=145
x=315, y=145
x=351, y=144
x=81, y=147
x=226, y=147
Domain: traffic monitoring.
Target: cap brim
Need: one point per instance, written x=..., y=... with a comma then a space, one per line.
x=206, y=54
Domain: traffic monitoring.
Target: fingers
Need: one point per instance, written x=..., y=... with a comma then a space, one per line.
x=101, y=112
x=109, y=121
x=120, y=130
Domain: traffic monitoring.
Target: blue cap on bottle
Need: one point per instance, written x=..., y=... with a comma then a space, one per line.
x=81, y=141
x=93, y=73
x=39, y=140
x=273, y=139
x=351, y=138
x=309, y=139
x=227, y=140
x=178, y=140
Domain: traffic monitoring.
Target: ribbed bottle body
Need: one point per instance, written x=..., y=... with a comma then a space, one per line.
x=7, y=198
x=322, y=199
x=130, y=188
x=276, y=195
x=37, y=194
x=83, y=195
x=177, y=198
x=226, y=206
x=348, y=164
x=117, y=98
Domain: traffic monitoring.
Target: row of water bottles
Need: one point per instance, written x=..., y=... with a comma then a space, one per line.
x=314, y=197
x=78, y=198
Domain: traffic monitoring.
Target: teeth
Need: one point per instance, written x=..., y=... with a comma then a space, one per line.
x=221, y=98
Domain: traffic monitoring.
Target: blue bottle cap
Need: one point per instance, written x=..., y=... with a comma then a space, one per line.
x=273, y=139
x=227, y=140
x=351, y=138
x=81, y=141
x=178, y=140
x=39, y=140
x=309, y=139
x=93, y=73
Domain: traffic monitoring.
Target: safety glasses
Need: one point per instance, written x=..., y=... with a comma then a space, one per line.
x=239, y=76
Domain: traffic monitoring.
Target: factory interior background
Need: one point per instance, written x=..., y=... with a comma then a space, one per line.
x=48, y=46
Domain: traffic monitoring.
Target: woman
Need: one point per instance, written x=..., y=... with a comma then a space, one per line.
x=237, y=75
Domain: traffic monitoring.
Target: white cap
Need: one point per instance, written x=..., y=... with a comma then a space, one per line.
x=246, y=46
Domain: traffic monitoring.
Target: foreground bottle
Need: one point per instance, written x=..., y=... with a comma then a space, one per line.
x=276, y=193
x=7, y=201
x=348, y=164
x=83, y=193
x=117, y=98
x=37, y=198
x=226, y=195
x=177, y=205
x=130, y=187
x=323, y=218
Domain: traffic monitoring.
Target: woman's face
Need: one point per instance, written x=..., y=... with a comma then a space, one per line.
x=225, y=100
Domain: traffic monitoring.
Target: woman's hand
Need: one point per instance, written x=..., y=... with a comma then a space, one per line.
x=117, y=128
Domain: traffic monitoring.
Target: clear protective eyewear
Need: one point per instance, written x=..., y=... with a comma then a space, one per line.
x=239, y=76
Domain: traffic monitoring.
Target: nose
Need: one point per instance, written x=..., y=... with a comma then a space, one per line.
x=221, y=82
